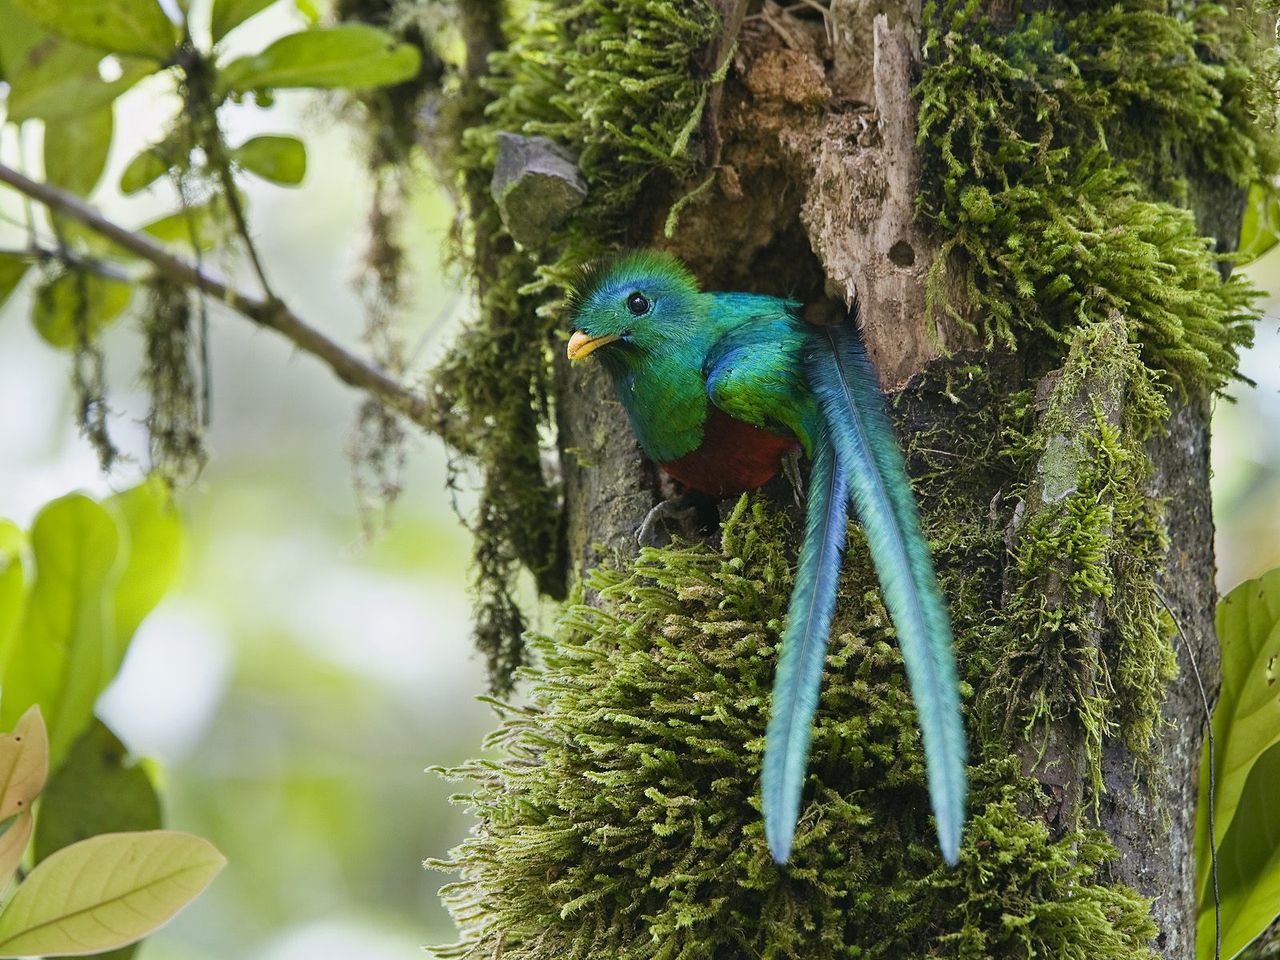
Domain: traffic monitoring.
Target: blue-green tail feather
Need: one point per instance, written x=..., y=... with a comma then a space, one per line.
x=804, y=645
x=845, y=384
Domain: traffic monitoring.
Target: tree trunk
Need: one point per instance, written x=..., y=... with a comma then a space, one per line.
x=818, y=175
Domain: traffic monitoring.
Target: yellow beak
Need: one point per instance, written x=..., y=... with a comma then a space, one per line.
x=581, y=345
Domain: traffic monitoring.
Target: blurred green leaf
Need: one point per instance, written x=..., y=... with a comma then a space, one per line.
x=12, y=540
x=95, y=791
x=75, y=154
x=353, y=56
x=1248, y=865
x=143, y=170
x=16, y=39
x=56, y=658
x=229, y=14
x=1246, y=720
x=13, y=585
x=99, y=570
x=281, y=160
x=1260, y=230
x=310, y=12
x=54, y=79
x=152, y=536
x=137, y=27
x=106, y=892
x=13, y=267
x=73, y=299
x=177, y=227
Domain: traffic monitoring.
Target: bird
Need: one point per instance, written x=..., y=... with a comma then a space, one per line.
x=720, y=388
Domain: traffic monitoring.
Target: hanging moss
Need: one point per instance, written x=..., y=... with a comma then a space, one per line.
x=611, y=82
x=624, y=821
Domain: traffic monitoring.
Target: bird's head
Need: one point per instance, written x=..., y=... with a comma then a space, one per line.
x=639, y=304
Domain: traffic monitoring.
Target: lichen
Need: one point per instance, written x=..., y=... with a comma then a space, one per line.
x=623, y=820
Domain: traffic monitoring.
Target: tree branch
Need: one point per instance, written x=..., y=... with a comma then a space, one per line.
x=351, y=369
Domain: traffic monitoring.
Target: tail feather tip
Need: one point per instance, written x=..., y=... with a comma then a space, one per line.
x=779, y=839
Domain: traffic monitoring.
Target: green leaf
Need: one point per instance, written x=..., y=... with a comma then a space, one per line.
x=176, y=227
x=352, y=56
x=310, y=12
x=1246, y=721
x=72, y=300
x=13, y=267
x=13, y=586
x=278, y=159
x=229, y=14
x=63, y=85
x=53, y=79
x=1248, y=865
x=143, y=170
x=95, y=791
x=56, y=659
x=106, y=892
x=152, y=537
x=16, y=39
x=75, y=154
x=1260, y=230
x=137, y=27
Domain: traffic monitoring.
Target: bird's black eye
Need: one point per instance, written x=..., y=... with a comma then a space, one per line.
x=638, y=303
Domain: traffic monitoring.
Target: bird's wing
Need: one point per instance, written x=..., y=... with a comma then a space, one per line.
x=754, y=374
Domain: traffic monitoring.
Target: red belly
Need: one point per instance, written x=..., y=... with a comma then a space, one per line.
x=734, y=456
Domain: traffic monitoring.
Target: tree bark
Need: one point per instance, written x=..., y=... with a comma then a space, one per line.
x=815, y=196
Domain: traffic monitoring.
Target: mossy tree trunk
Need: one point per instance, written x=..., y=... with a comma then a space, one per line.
x=1022, y=222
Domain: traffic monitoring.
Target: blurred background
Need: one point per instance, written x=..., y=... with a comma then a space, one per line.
x=296, y=684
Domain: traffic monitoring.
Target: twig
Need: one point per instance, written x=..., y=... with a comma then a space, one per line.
x=1208, y=715
x=348, y=367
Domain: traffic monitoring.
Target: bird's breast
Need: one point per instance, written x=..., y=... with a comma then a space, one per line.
x=734, y=456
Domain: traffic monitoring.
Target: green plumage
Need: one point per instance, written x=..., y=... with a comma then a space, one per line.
x=718, y=387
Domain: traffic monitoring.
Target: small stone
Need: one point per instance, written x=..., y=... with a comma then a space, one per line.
x=536, y=185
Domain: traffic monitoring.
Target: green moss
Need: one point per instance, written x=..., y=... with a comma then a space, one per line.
x=611, y=81
x=1048, y=142
x=624, y=819
x=1059, y=146
x=1083, y=637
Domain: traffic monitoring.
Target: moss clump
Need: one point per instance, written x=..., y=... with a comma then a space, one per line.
x=1060, y=146
x=624, y=821
x=610, y=81
x=1083, y=635
x=1047, y=142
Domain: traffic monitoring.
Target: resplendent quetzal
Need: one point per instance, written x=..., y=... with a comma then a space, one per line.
x=719, y=387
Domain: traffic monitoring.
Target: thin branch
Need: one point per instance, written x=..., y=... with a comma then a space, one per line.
x=348, y=367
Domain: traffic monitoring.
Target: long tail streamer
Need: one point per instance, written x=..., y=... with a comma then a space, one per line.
x=804, y=646
x=867, y=450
